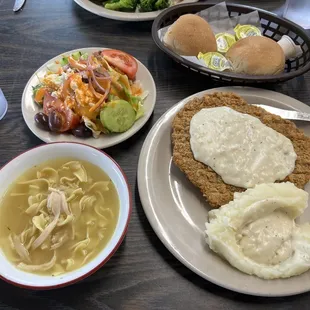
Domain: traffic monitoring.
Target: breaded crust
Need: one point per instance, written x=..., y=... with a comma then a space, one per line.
x=209, y=182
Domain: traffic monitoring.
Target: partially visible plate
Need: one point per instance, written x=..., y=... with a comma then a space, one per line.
x=29, y=108
x=125, y=16
x=177, y=211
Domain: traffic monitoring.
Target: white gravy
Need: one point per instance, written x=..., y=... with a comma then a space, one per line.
x=268, y=239
x=240, y=148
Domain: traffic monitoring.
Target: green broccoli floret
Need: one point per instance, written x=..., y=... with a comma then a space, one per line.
x=121, y=5
x=147, y=5
x=161, y=4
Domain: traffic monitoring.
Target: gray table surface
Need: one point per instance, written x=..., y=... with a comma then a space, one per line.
x=142, y=274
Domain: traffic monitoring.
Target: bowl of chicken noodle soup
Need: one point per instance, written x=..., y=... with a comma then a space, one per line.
x=64, y=210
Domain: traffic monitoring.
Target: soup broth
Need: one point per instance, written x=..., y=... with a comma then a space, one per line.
x=58, y=216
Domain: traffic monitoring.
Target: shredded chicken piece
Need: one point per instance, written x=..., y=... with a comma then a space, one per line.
x=54, y=204
x=64, y=204
x=20, y=249
x=30, y=242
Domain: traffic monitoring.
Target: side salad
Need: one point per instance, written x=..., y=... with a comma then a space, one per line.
x=89, y=95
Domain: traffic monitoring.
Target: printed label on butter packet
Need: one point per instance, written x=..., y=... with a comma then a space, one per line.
x=224, y=41
x=215, y=61
x=244, y=31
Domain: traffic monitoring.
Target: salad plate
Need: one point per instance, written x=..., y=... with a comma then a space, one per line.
x=177, y=210
x=138, y=107
x=117, y=15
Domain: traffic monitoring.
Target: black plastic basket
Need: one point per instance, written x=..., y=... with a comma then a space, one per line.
x=273, y=27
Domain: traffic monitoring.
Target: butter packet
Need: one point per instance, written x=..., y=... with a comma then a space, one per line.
x=244, y=31
x=224, y=41
x=215, y=61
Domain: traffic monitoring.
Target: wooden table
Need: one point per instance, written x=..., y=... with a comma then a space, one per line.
x=142, y=274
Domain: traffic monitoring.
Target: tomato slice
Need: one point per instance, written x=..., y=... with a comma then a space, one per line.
x=122, y=61
x=48, y=102
x=72, y=120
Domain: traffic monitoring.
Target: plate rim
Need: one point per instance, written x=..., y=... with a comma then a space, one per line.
x=144, y=119
x=123, y=16
x=145, y=198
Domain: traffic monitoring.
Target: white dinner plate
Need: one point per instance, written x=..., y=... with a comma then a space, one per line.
x=30, y=108
x=125, y=16
x=177, y=211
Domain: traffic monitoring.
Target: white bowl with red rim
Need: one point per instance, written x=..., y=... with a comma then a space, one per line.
x=20, y=164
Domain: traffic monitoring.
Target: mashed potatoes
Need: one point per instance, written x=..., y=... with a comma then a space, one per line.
x=257, y=233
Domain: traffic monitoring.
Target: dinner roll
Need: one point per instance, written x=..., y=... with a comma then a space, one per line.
x=189, y=35
x=256, y=56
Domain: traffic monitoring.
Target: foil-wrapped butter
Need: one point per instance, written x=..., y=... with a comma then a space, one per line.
x=244, y=31
x=215, y=61
x=224, y=41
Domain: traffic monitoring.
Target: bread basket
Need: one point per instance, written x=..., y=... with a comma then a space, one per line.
x=273, y=27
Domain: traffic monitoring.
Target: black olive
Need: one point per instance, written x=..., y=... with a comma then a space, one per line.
x=84, y=79
x=55, y=121
x=41, y=121
x=82, y=131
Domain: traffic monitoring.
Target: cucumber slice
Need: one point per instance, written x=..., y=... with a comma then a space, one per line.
x=118, y=116
x=63, y=61
x=76, y=55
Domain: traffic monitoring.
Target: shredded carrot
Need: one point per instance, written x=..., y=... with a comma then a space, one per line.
x=66, y=86
x=136, y=90
x=104, y=83
x=40, y=95
x=74, y=64
x=99, y=103
x=96, y=94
